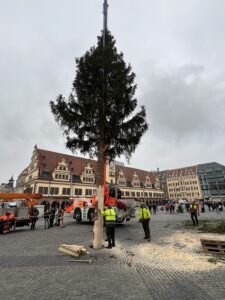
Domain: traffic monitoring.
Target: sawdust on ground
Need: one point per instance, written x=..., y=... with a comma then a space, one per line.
x=182, y=248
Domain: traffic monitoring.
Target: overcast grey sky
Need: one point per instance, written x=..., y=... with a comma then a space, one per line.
x=175, y=47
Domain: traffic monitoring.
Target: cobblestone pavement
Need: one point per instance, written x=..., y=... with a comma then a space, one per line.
x=32, y=268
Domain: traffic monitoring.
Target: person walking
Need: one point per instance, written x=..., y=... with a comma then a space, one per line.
x=144, y=218
x=154, y=207
x=110, y=223
x=46, y=217
x=194, y=212
x=62, y=217
x=52, y=216
x=34, y=217
x=59, y=217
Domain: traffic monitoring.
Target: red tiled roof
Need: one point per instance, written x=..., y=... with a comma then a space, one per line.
x=129, y=172
x=48, y=161
x=182, y=171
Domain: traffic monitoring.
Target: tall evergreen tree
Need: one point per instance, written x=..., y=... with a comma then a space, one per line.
x=100, y=118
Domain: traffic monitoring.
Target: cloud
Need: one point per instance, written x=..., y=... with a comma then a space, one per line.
x=176, y=49
x=183, y=103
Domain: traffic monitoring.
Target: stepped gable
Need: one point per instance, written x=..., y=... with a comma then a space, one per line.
x=49, y=160
x=192, y=170
x=129, y=172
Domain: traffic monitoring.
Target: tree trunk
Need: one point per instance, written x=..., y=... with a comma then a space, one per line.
x=98, y=225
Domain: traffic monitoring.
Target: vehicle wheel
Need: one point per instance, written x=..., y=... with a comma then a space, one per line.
x=6, y=229
x=77, y=215
x=91, y=215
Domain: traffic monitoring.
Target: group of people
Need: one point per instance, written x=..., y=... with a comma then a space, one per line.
x=215, y=206
x=50, y=215
x=110, y=221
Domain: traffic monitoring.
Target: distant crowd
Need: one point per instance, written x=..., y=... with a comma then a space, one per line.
x=184, y=206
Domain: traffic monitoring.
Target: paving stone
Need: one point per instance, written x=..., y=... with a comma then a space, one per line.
x=32, y=268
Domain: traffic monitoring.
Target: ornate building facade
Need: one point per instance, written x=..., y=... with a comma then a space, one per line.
x=59, y=176
x=183, y=184
x=202, y=181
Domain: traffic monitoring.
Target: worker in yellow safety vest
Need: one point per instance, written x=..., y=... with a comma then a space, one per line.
x=144, y=218
x=194, y=212
x=110, y=223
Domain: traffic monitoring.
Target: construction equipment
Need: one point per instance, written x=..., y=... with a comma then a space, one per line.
x=15, y=210
x=30, y=199
x=84, y=208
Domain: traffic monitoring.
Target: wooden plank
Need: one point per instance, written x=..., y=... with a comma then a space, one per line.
x=73, y=250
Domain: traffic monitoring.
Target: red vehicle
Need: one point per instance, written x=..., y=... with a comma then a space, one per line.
x=12, y=216
x=84, y=208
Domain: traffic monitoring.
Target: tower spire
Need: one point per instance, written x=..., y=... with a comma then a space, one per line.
x=105, y=14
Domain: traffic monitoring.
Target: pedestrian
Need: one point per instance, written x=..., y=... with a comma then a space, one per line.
x=62, y=217
x=144, y=218
x=46, y=217
x=110, y=224
x=150, y=206
x=59, y=217
x=34, y=217
x=154, y=207
x=52, y=216
x=194, y=212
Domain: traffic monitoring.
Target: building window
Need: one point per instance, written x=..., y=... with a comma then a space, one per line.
x=88, y=192
x=127, y=193
x=133, y=194
x=54, y=191
x=122, y=182
x=148, y=185
x=43, y=190
x=88, y=179
x=78, y=192
x=66, y=191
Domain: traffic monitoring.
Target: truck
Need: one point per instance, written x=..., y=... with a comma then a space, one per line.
x=15, y=209
x=84, y=208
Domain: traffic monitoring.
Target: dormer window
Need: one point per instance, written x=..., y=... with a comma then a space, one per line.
x=62, y=171
x=148, y=183
x=135, y=181
x=88, y=175
x=121, y=179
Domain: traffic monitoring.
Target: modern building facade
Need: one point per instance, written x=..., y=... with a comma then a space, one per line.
x=212, y=180
x=59, y=176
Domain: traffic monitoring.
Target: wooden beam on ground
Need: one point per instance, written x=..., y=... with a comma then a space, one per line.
x=73, y=250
